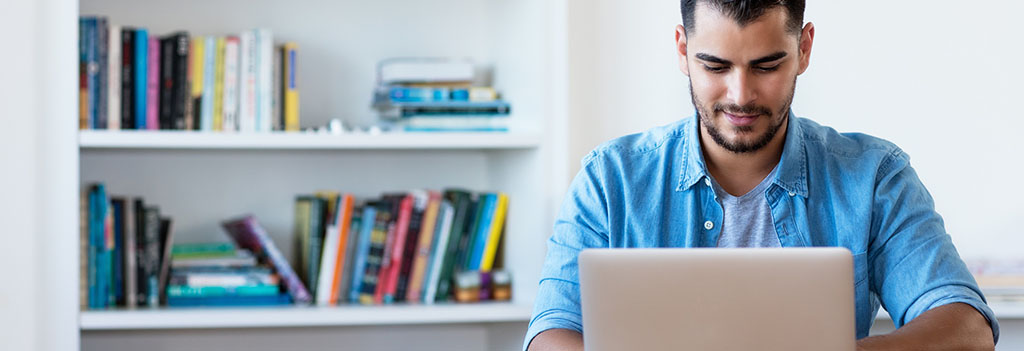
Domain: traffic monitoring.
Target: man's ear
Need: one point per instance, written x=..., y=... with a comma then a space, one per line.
x=681, y=49
x=806, y=42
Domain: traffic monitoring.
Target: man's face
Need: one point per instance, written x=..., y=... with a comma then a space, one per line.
x=742, y=79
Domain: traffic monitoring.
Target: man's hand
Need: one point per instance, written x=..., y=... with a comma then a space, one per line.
x=956, y=326
x=557, y=340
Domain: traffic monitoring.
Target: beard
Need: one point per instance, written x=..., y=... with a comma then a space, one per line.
x=739, y=147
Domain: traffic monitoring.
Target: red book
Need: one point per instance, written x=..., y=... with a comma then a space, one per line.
x=396, y=255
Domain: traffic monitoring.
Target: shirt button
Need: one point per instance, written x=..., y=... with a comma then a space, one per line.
x=792, y=193
x=708, y=225
x=707, y=181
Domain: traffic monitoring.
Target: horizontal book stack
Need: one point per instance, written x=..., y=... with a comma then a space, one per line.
x=124, y=257
x=401, y=247
x=131, y=79
x=219, y=274
x=437, y=95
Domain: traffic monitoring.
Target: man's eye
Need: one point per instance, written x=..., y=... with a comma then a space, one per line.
x=715, y=69
x=768, y=69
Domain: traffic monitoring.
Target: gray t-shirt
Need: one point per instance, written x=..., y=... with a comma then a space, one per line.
x=747, y=220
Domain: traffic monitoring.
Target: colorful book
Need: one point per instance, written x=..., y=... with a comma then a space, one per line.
x=226, y=291
x=290, y=100
x=421, y=255
x=375, y=255
x=248, y=234
x=482, y=232
x=497, y=226
x=463, y=205
x=362, y=251
x=197, y=65
x=343, y=224
x=218, y=85
x=411, y=206
x=141, y=58
x=344, y=280
x=442, y=235
x=153, y=84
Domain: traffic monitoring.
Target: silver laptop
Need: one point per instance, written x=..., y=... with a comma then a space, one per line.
x=717, y=299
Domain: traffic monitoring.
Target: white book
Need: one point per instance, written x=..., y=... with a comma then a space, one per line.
x=114, y=77
x=265, y=80
x=330, y=254
x=247, y=83
x=406, y=70
x=442, y=233
x=230, y=102
x=209, y=81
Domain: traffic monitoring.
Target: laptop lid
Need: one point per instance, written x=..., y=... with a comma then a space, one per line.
x=717, y=299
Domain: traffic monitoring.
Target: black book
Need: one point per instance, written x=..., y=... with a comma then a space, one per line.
x=140, y=253
x=166, y=243
x=180, y=88
x=128, y=78
x=166, y=74
x=461, y=203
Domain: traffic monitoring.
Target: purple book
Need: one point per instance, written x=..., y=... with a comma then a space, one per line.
x=248, y=234
x=153, y=84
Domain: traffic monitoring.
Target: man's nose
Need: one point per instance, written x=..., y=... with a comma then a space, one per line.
x=741, y=88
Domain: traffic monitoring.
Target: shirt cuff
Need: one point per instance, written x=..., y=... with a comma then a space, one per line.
x=952, y=294
x=552, y=320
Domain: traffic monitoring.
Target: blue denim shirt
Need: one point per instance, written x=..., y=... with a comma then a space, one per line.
x=832, y=189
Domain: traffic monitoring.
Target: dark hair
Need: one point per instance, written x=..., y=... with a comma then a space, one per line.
x=746, y=11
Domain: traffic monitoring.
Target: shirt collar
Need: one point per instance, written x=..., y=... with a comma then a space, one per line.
x=792, y=173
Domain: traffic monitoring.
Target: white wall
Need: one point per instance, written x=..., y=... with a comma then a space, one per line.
x=938, y=78
x=39, y=175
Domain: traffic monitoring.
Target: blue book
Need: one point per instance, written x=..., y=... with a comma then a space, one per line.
x=230, y=300
x=141, y=78
x=482, y=231
x=93, y=246
x=117, y=205
x=92, y=72
x=362, y=251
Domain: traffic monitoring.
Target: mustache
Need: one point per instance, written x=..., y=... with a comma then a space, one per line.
x=744, y=110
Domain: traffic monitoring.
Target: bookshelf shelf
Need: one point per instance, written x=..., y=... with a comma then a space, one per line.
x=301, y=316
x=93, y=139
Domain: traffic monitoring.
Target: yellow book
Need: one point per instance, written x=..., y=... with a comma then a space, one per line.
x=291, y=93
x=198, y=53
x=497, y=226
x=218, y=86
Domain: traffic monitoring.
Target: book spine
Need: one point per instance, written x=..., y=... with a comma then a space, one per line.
x=83, y=77
x=343, y=224
x=209, y=76
x=93, y=257
x=128, y=78
x=465, y=250
x=166, y=82
x=266, y=80
x=141, y=77
x=403, y=229
x=278, y=88
x=152, y=256
x=345, y=277
x=230, y=84
x=92, y=72
x=117, y=207
x=482, y=231
x=153, y=84
x=361, y=252
x=102, y=37
x=180, y=101
x=437, y=252
x=218, y=86
x=315, y=242
x=374, y=257
x=247, y=82
x=290, y=99
x=209, y=291
x=197, y=76
x=166, y=243
x=249, y=234
x=108, y=254
x=494, y=233
x=114, y=58
x=140, y=253
x=326, y=270
x=129, y=259
x=231, y=300
x=83, y=250
x=421, y=255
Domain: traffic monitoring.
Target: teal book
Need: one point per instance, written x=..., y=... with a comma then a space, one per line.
x=482, y=231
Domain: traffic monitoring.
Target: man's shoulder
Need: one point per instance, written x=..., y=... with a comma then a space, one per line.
x=825, y=142
x=641, y=145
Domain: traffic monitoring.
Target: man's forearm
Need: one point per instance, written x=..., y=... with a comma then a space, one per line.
x=956, y=326
x=557, y=340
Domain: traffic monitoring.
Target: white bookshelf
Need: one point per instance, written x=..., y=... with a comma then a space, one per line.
x=302, y=316
x=200, y=179
x=94, y=139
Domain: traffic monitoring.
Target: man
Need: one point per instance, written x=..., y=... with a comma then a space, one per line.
x=745, y=172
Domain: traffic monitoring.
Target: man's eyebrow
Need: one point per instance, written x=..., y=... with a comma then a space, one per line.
x=721, y=61
x=769, y=58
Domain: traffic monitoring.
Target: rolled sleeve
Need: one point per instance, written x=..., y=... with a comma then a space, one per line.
x=581, y=224
x=914, y=265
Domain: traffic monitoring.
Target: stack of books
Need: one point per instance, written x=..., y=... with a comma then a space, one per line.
x=437, y=95
x=131, y=79
x=124, y=257
x=401, y=247
x=219, y=274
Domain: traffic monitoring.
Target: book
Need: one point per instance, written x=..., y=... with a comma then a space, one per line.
x=230, y=103
x=84, y=199
x=117, y=209
x=462, y=204
x=202, y=250
x=153, y=74
x=218, y=85
x=343, y=225
x=344, y=279
x=129, y=260
x=178, y=82
x=421, y=255
x=290, y=100
x=113, y=83
x=224, y=291
x=442, y=234
x=150, y=258
x=302, y=233
x=409, y=216
x=361, y=251
x=248, y=234
x=230, y=300
x=482, y=232
x=209, y=76
x=166, y=243
x=497, y=226
x=197, y=65
x=128, y=78
x=265, y=79
x=141, y=70
x=468, y=240
x=375, y=254
x=405, y=70
x=166, y=82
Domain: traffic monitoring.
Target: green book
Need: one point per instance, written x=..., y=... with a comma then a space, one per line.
x=202, y=250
